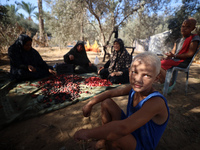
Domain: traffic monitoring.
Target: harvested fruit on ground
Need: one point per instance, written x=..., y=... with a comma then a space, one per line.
x=96, y=81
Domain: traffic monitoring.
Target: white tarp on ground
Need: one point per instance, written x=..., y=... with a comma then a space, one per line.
x=155, y=43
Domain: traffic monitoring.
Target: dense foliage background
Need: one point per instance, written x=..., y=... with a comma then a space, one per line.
x=71, y=20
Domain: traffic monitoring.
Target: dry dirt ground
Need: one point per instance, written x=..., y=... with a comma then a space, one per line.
x=54, y=131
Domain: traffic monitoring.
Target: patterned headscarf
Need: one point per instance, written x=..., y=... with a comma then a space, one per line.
x=119, y=60
x=121, y=43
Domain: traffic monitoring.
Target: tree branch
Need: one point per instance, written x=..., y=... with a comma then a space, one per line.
x=134, y=10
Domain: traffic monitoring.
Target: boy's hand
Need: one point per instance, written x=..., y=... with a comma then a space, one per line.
x=81, y=135
x=87, y=110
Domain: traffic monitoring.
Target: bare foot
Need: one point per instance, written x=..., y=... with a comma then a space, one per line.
x=100, y=145
x=96, y=145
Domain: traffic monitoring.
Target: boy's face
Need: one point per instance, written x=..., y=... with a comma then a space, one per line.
x=141, y=76
x=186, y=29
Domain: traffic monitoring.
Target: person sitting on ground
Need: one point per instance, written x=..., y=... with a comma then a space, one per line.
x=183, y=50
x=116, y=68
x=78, y=56
x=25, y=62
x=147, y=110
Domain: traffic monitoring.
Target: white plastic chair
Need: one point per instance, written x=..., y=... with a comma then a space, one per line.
x=173, y=73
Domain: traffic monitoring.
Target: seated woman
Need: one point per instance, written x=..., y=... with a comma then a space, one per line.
x=117, y=67
x=25, y=62
x=78, y=56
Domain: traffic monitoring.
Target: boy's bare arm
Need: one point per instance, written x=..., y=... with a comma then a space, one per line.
x=154, y=109
x=120, y=91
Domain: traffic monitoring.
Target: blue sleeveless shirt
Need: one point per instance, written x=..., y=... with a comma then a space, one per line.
x=149, y=134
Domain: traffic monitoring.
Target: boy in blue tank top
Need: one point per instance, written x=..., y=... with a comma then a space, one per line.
x=147, y=111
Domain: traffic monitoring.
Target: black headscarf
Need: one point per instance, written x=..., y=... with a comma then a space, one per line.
x=21, y=40
x=80, y=58
x=79, y=43
x=20, y=59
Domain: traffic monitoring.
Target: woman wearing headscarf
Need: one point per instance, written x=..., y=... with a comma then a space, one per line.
x=116, y=69
x=78, y=56
x=25, y=62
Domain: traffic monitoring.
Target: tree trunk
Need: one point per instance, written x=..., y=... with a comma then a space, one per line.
x=41, y=22
x=81, y=28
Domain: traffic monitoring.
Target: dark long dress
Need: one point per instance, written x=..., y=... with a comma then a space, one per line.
x=81, y=61
x=20, y=59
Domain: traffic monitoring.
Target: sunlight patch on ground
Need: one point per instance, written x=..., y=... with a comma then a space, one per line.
x=195, y=110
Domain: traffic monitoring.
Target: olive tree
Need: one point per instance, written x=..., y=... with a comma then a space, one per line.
x=71, y=18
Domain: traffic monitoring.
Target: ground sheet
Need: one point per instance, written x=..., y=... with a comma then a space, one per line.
x=31, y=98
